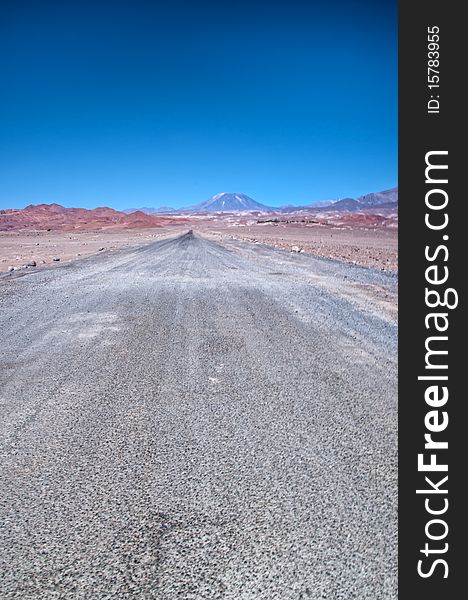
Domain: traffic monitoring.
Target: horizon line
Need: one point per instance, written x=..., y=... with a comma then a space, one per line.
x=186, y=207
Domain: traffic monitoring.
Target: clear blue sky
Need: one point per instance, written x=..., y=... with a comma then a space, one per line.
x=138, y=103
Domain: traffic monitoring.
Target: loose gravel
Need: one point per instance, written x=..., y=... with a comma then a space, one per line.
x=195, y=420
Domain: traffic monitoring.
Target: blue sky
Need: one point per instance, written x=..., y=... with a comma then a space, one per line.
x=137, y=103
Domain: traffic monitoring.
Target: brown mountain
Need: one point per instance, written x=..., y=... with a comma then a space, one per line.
x=57, y=217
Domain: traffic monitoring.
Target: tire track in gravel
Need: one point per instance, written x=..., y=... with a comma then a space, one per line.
x=198, y=420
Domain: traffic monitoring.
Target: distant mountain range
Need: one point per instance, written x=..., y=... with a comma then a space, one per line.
x=161, y=210
x=222, y=202
x=236, y=202
x=388, y=197
x=375, y=200
x=57, y=217
x=228, y=202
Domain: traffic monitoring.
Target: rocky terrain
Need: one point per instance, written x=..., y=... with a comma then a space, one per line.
x=366, y=235
x=34, y=249
x=364, y=239
x=54, y=217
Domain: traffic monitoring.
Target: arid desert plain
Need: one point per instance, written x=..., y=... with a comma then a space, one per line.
x=198, y=406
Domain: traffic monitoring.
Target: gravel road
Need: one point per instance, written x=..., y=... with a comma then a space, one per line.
x=198, y=420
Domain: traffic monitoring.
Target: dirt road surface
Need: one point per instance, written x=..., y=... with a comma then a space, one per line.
x=197, y=420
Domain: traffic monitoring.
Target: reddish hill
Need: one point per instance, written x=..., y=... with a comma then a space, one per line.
x=57, y=217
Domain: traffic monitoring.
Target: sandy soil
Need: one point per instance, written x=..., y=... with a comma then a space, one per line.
x=19, y=248
x=376, y=248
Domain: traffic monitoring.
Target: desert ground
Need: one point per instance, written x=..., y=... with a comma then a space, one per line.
x=359, y=244
x=196, y=418
x=376, y=247
x=18, y=248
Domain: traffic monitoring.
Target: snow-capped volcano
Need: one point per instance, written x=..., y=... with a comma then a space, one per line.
x=228, y=202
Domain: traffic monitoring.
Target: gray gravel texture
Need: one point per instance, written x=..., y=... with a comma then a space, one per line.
x=194, y=420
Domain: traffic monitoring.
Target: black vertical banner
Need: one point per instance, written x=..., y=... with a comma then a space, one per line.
x=433, y=440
